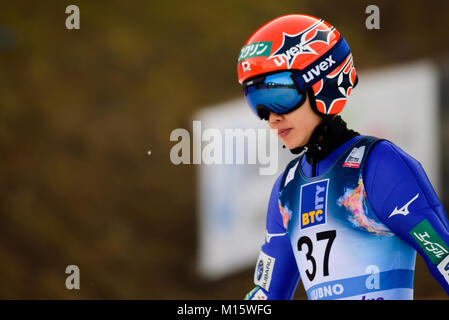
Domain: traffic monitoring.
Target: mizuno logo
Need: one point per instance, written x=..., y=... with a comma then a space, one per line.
x=316, y=71
x=404, y=210
x=268, y=236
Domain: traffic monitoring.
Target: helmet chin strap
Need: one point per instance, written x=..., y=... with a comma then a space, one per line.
x=315, y=142
x=317, y=136
x=328, y=135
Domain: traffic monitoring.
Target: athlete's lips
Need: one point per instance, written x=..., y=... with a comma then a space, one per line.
x=284, y=132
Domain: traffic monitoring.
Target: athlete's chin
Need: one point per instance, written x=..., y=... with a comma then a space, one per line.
x=290, y=144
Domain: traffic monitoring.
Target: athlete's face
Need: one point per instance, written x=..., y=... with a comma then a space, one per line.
x=295, y=128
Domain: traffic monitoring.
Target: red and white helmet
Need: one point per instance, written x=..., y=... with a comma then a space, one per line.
x=306, y=44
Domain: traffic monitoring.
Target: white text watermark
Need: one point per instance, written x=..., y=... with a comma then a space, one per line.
x=228, y=146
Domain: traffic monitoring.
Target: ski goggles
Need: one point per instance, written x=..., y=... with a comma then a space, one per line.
x=277, y=92
x=285, y=91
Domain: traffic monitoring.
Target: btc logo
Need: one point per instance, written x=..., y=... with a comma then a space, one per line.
x=311, y=217
x=313, y=203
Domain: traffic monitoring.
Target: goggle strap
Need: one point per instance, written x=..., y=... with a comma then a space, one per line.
x=331, y=59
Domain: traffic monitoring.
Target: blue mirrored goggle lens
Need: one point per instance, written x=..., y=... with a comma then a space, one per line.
x=276, y=92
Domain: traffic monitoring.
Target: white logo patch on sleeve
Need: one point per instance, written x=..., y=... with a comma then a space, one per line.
x=264, y=270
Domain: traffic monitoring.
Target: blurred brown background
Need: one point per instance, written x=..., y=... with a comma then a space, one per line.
x=80, y=109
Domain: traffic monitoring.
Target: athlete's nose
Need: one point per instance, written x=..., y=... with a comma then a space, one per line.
x=274, y=117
